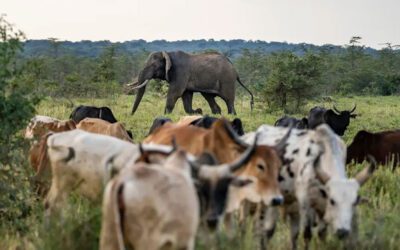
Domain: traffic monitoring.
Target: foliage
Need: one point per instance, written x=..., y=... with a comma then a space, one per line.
x=292, y=80
x=16, y=107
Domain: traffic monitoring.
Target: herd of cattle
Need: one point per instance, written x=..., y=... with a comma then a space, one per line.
x=205, y=171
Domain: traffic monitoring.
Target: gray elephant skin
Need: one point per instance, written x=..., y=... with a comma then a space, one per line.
x=211, y=74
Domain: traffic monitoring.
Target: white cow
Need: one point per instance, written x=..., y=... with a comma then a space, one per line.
x=80, y=162
x=151, y=207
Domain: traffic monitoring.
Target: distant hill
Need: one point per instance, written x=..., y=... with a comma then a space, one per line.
x=232, y=48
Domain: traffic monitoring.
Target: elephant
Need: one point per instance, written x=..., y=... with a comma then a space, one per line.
x=212, y=74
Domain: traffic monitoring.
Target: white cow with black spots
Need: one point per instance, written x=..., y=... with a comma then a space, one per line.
x=306, y=151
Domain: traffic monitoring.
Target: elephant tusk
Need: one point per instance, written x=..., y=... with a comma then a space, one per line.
x=131, y=84
x=141, y=85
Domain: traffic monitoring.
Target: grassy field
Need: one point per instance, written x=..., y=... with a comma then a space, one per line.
x=379, y=219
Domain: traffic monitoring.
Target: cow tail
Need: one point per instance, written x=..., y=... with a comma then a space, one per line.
x=111, y=236
x=251, y=94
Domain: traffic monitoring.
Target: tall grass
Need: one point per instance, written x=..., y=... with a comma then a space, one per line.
x=379, y=220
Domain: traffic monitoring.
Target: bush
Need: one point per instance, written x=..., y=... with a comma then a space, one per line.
x=17, y=107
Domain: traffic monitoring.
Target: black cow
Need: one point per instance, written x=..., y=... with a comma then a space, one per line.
x=81, y=112
x=207, y=122
x=384, y=146
x=337, y=120
x=287, y=121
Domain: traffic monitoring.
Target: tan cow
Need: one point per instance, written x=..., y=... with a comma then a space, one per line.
x=99, y=126
x=151, y=207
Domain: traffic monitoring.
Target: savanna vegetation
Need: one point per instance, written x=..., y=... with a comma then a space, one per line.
x=53, y=83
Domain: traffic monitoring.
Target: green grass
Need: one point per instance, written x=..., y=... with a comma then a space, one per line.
x=379, y=219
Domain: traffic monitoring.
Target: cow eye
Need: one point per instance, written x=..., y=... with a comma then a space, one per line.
x=260, y=167
x=332, y=202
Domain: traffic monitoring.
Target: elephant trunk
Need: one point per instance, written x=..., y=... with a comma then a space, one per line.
x=139, y=97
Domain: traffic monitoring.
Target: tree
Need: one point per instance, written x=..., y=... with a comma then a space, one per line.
x=105, y=70
x=292, y=79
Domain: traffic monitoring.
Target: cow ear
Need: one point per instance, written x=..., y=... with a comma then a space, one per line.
x=353, y=116
x=239, y=182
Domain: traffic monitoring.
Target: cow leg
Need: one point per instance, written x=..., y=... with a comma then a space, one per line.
x=215, y=108
x=294, y=220
x=268, y=218
x=307, y=236
x=187, y=99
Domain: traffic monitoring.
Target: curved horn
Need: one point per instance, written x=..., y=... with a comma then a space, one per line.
x=174, y=145
x=355, y=106
x=335, y=109
x=364, y=175
x=245, y=157
x=233, y=135
x=141, y=85
x=141, y=150
x=280, y=147
x=168, y=64
x=195, y=168
x=321, y=175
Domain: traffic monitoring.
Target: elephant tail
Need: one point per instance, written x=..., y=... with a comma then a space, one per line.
x=251, y=94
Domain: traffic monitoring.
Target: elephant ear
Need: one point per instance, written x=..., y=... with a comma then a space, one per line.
x=168, y=64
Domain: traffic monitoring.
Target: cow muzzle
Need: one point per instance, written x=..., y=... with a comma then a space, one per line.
x=277, y=201
x=342, y=233
x=212, y=223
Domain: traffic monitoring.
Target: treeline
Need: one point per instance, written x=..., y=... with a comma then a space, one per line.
x=284, y=76
x=231, y=48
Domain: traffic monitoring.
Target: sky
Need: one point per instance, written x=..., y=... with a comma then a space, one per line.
x=294, y=21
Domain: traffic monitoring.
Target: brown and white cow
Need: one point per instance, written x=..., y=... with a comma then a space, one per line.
x=99, y=126
x=221, y=141
x=151, y=207
x=40, y=125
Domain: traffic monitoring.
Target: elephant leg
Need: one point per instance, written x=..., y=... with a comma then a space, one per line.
x=172, y=96
x=230, y=104
x=187, y=99
x=215, y=109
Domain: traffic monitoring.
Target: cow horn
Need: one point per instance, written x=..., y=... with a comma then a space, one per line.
x=141, y=85
x=321, y=175
x=355, y=106
x=195, y=168
x=174, y=145
x=141, y=150
x=245, y=157
x=280, y=147
x=364, y=175
x=233, y=134
x=336, y=110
